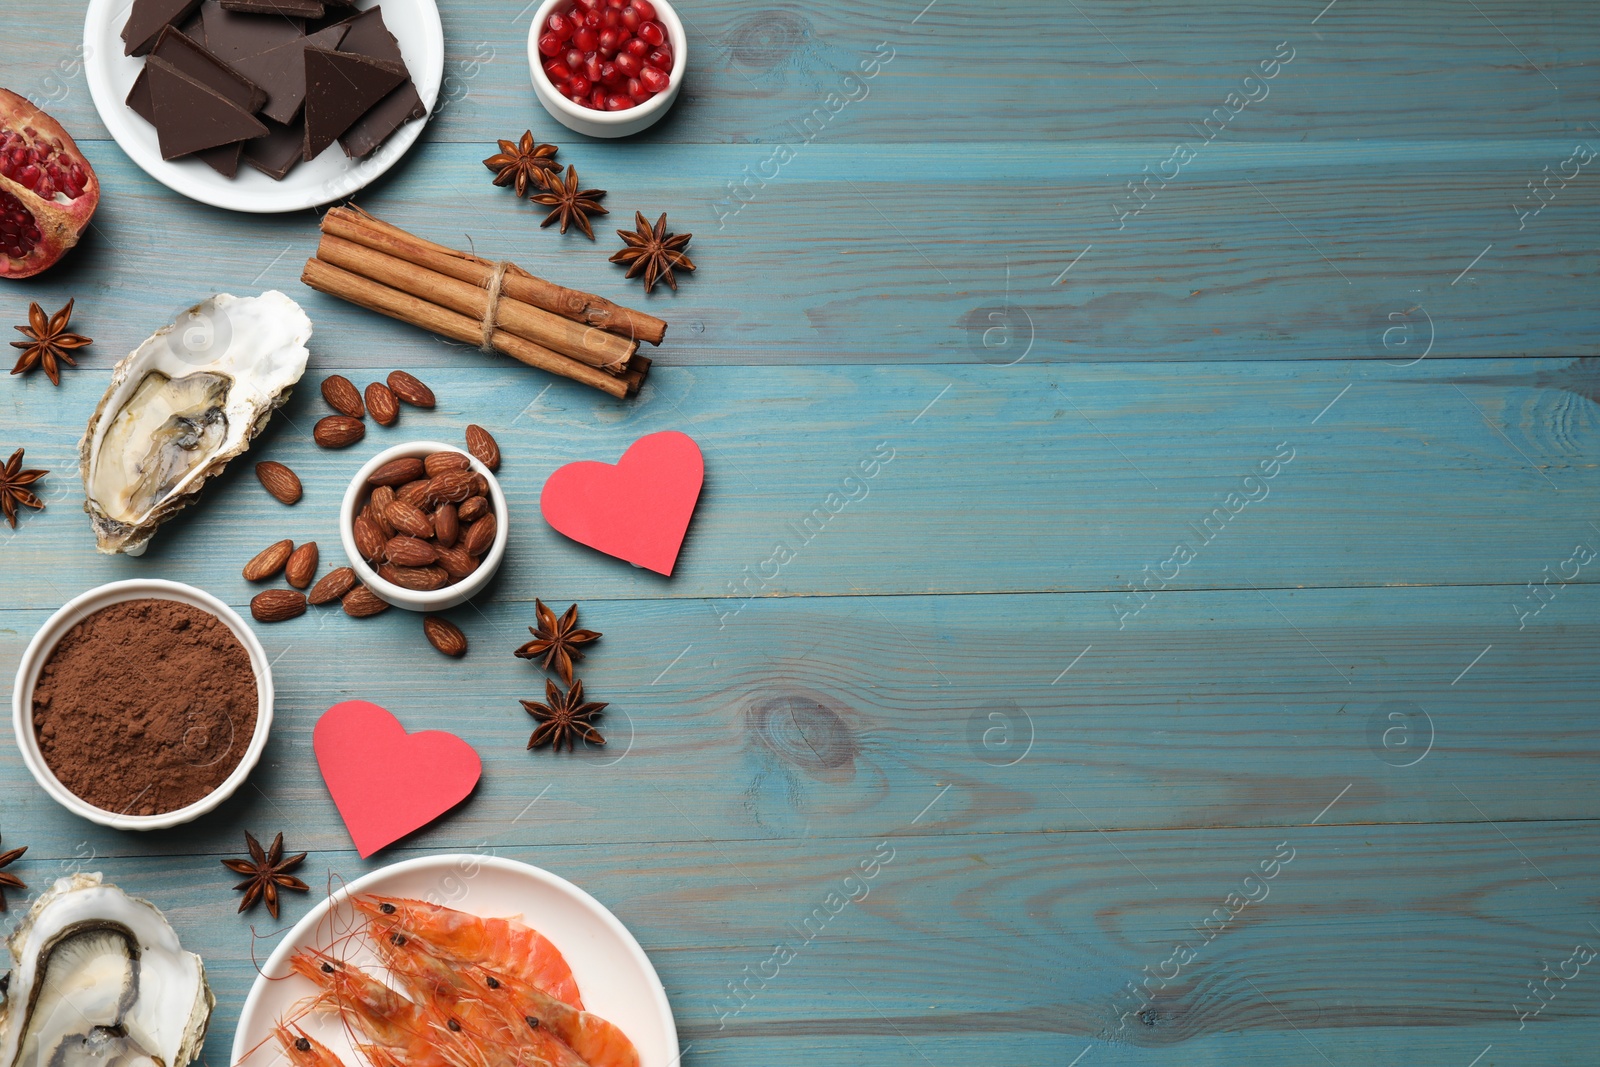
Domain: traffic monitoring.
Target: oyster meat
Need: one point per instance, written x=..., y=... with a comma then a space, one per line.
x=99, y=980
x=181, y=405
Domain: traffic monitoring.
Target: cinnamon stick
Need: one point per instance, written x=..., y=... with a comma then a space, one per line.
x=587, y=344
x=356, y=225
x=386, y=300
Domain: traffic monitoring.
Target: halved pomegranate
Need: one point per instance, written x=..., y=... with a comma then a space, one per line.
x=48, y=191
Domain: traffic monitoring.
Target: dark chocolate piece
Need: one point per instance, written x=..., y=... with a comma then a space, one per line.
x=276, y=154
x=340, y=88
x=139, y=97
x=208, y=70
x=231, y=36
x=282, y=71
x=224, y=159
x=146, y=20
x=194, y=28
x=190, y=116
x=371, y=37
x=306, y=9
x=387, y=116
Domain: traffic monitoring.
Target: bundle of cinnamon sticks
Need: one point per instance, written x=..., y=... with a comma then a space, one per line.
x=574, y=334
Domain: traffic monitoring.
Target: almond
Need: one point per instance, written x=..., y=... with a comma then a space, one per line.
x=379, y=503
x=482, y=445
x=480, y=485
x=369, y=542
x=335, y=584
x=473, y=508
x=451, y=487
x=422, y=579
x=340, y=393
x=276, y=605
x=397, y=472
x=406, y=551
x=456, y=563
x=381, y=402
x=414, y=493
x=302, y=565
x=479, y=536
x=411, y=390
x=446, y=526
x=360, y=602
x=268, y=561
x=439, y=462
x=408, y=519
x=279, y=480
x=444, y=635
x=338, y=431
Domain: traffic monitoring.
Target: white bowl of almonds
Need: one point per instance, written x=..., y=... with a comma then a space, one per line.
x=424, y=525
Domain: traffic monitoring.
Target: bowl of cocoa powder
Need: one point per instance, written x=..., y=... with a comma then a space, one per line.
x=142, y=704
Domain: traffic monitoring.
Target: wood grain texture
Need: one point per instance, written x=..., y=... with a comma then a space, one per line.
x=988, y=657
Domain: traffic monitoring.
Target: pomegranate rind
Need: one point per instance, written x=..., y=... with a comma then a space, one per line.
x=60, y=222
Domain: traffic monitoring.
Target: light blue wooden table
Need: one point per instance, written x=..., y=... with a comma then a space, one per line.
x=1070, y=659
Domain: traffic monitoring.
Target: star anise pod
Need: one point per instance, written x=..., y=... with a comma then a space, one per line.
x=563, y=717
x=48, y=343
x=14, y=482
x=10, y=881
x=569, y=203
x=556, y=639
x=522, y=163
x=265, y=871
x=654, y=251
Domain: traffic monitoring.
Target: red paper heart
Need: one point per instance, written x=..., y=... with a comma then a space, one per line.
x=384, y=781
x=638, y=510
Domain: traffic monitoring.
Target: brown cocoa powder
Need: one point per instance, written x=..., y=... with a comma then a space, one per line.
x=145, y=706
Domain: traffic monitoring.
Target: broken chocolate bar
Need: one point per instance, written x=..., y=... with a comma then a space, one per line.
x=276, y=154
x=190, y=116
x=148, y=18
x=231, y=36
x=340, y=88
x=282, y=72
x=208, y=70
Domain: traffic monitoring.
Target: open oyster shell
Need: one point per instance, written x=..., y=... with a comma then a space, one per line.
x=99, y=980
x=181, y=405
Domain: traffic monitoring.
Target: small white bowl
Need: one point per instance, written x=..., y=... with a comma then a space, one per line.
x=414, y=599
x=75, y=611
x=609, y=123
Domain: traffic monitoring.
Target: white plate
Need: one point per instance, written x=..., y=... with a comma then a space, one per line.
x=614, y=975
x=331, y=176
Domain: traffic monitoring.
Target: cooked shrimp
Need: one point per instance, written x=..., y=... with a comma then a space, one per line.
x=504, y=1007
x=446, y=988
x=302, y=1049
x=393, y=1024
x=504, y=946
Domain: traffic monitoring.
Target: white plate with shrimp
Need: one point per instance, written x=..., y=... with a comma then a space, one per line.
x=481, y=989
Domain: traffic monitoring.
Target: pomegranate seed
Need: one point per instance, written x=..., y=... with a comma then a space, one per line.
x=587, y=39
x=579, y=87
x=636, y=47
x=618, y=102
x=617, y=4
x=591, y=19
x=608, y=73
x=635, y=88
x=644, y=8
x=609, y=41
x=558, y=71
x=573, y=59
x=612, y=18
x=660, y=57
x=654, y=80
x=652, y=33
x=629, y=64
x=631, y=19
x=550, y=44
x=30, y=176
x=587, y=4
x=592, y=67
x=597, y=98
x=557, y=24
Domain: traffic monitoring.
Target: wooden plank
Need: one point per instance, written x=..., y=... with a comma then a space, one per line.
x=1359, y=251
x=1361, y=931
x=1087, y=476
x=1027, y=71
x=828, y=717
